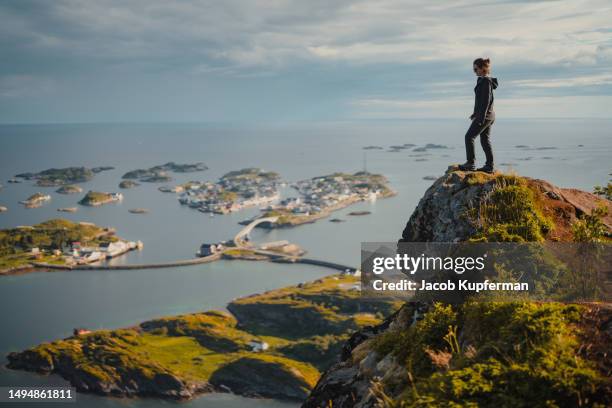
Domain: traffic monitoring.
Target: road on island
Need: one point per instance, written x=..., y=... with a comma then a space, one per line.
x=239, y=243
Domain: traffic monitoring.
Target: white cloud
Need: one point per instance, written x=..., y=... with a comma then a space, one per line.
x=568, y=82
x=415, y=56
x=21, y=86
x=279, y=31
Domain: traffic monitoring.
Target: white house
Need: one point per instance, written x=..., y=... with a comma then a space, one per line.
x=258, y=345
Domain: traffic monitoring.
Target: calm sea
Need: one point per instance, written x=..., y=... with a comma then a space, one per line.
x=44, y=306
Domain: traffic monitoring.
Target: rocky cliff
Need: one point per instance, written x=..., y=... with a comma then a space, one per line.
x=516, y=354
x=449, y=209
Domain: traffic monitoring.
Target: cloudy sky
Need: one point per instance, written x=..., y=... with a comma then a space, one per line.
x=277, y=60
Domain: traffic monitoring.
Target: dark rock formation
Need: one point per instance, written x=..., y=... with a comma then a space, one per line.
x=254, y=377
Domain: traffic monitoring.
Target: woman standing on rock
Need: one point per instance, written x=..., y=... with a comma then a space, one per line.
x=482, y=118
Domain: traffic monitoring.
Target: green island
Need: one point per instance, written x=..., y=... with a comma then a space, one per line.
x=320, y=196
x=158, y=174
x=36, y=200
x=96, y=198
x=100, y=169
x=45, y=242
x=69, y=189
x=273, y=344
x=252, y=174
x=58, y=177
x=125, y=184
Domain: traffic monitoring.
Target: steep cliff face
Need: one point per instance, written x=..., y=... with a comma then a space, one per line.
x=516, y=354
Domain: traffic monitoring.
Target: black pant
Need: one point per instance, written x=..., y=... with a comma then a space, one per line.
x=484, y=131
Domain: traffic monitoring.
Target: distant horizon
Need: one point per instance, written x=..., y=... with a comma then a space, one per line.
x=296, y=121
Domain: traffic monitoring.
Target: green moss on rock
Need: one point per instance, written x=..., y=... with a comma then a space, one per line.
x=496, y=354
x=510, y=212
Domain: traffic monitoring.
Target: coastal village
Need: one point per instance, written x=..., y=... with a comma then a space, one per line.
x=255, y=187
x=234, y=191
x=60, y=242
x=333, y=191
x=77, y=254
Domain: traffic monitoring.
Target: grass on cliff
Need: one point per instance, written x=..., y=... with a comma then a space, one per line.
x=494, y=354
x=326, y=306
x=190, y=347
x=510, y=212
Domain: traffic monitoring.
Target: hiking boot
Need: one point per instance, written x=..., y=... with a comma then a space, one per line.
x=467, y=166
x=486, y=169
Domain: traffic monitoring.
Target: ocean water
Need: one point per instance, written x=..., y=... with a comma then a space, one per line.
x=43, y=306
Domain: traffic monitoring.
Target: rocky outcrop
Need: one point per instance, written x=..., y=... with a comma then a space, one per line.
x=348, y=383
x=253, y=377
x=124, y=382
x=441, y=214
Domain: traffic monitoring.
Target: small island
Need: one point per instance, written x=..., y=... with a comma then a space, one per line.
x=69, y=189
x=358, y=213
x=175, y=189
x=102, y=168
x=58, y=242
x=399, y=148
x=158, y=174
x=95, y=198
x=68, y=209
x=125, y=184
x=58, y=177
x=36, y=200
x=159, y=177
x=138, y=210
x=271, y=345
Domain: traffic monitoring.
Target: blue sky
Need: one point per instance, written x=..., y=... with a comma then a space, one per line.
x=284, y=60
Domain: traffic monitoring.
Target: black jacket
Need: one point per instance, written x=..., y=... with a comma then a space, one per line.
x=483, y=105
